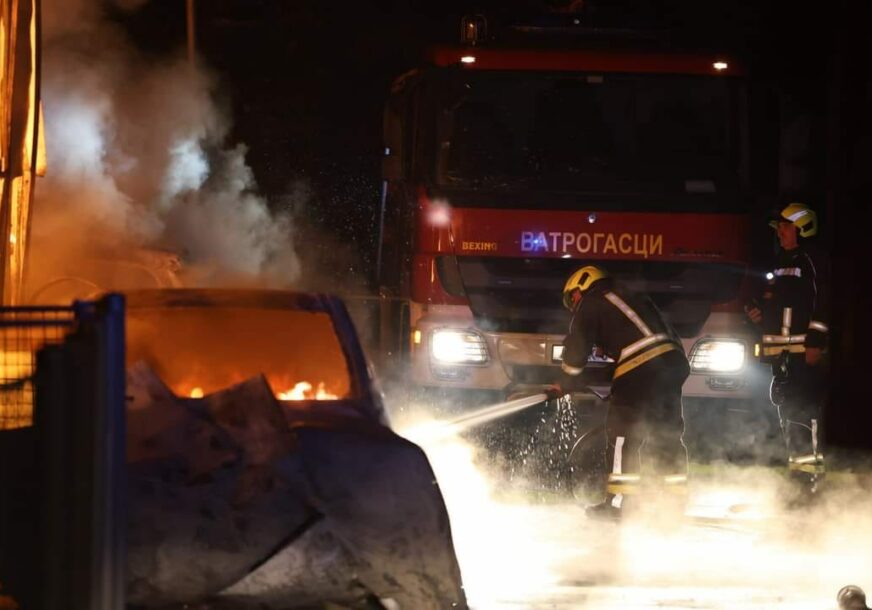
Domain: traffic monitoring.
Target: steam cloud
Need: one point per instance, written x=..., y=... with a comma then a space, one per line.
x=138, y=158
x=737, y=548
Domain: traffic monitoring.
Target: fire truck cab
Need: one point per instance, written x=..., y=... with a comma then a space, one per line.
x=509, y=164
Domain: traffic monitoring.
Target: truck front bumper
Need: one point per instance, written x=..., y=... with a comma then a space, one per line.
x=525, y=359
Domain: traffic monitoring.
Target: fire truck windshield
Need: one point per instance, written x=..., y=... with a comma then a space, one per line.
x=598, y=133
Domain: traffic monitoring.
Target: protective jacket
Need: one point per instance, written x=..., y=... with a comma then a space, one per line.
x=795, y=304
x=628, y=328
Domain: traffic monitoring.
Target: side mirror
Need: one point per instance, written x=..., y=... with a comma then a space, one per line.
x=392, y=166
x=392, y=162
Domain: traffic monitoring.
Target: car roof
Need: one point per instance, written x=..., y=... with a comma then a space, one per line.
x=225, y=297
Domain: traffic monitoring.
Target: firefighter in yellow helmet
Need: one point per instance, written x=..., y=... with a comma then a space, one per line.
x=793, y=319
x=645, y=401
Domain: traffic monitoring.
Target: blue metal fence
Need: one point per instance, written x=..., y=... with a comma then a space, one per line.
x=63, y=456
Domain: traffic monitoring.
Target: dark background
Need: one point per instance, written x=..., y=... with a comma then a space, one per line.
x=306, y=80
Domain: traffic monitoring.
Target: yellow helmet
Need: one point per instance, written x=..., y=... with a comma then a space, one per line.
x=802, y=217
x=581, y=281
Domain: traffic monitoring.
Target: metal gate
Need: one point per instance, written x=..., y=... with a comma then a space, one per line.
x=62, y=455
x=23, y=332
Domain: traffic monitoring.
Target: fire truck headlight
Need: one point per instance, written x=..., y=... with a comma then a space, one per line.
x=457, y=347
x=717, y=356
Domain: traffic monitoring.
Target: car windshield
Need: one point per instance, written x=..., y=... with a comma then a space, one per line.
x=200, y=350
x=588, y=132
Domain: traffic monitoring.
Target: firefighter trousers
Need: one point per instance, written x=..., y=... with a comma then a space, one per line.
x=644, y=427
x=798, y=392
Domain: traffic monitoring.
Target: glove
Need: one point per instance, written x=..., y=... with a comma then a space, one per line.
x=554, y=391
x=752, y=310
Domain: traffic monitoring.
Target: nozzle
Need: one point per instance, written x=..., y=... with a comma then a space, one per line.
x=554, y=392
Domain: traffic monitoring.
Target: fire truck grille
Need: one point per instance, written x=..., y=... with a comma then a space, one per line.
x=523, y=295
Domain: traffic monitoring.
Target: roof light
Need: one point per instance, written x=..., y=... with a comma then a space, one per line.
x=720, y=66
x=467, y=59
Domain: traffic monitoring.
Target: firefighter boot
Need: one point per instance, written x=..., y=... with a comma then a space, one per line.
x=803, y=489
x=610, y=509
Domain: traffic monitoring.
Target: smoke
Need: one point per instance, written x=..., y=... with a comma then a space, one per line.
x=736, y=546
x=139, y=161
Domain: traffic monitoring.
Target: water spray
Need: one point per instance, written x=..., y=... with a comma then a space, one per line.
x=434, y=431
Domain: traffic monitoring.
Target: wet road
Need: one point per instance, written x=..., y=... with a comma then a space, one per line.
x=735, y=550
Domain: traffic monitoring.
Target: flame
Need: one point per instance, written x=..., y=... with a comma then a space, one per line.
x=303, y=391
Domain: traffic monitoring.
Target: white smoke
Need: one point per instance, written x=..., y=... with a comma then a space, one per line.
x=735, y=547
x=138, y=158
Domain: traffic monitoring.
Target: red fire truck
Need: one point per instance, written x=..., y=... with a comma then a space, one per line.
x=510, y=164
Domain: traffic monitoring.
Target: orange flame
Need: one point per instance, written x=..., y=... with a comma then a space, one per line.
x=303, y=391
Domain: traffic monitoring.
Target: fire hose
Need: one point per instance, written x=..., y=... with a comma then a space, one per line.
x=437, y=430
x=434, y=431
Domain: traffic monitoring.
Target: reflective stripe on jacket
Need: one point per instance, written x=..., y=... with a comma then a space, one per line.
x=628, y=328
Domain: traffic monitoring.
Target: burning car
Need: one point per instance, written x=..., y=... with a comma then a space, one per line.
x=262, y=469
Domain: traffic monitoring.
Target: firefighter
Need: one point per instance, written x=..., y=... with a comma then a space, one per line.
x=793, y=319
x=644, y=423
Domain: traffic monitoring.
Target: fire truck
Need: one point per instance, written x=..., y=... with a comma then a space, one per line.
x=510, y=162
